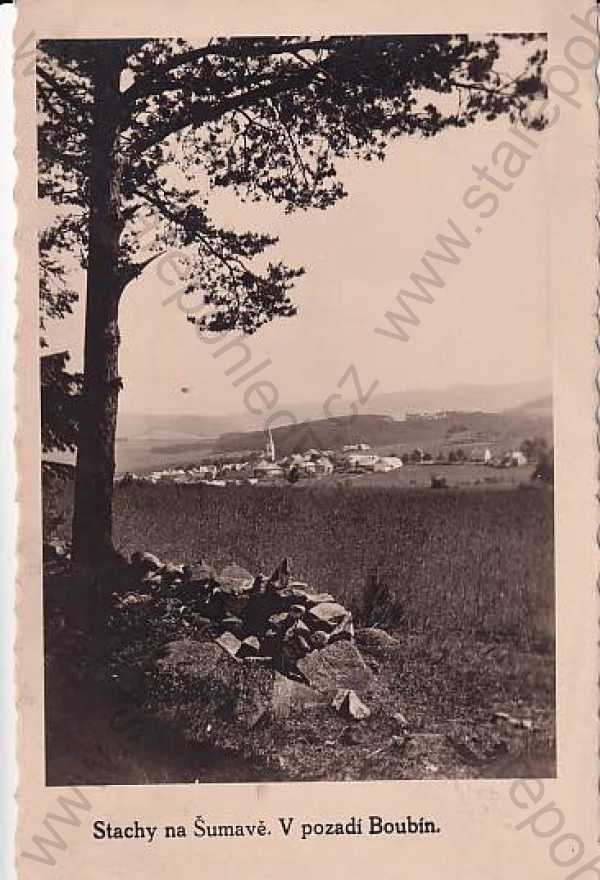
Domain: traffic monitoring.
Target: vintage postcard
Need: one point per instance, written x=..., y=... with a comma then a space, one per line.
x=306, y=445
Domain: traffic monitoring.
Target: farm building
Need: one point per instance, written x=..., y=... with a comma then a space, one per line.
x=518, y=458
x=267, y=470
x=356, y=462
x=387, y=463
x=306, y=467
x=323, y=466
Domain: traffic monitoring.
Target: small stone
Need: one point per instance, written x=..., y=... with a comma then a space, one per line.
x=229, y=643
x=136, y=599
x=348, y=704
x=302, y=645
x=299, y=594
x=259, y=584
x=281, y=577
x=198, y=571
x=249, y=647
x=169, y=568
x=199, y=621
x=344, y=630
x=152, y=579
x=298, y=629
x=296, y=611
x=373, y=665
x=278, y=621
x=400, y=720
x=147, y=561
x=319, y=638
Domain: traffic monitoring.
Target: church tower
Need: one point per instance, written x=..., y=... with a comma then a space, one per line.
x=270, y=447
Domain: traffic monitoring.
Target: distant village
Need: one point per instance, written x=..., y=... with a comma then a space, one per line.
x=357, y=458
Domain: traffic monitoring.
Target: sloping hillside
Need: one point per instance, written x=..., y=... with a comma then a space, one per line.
x=465, y=429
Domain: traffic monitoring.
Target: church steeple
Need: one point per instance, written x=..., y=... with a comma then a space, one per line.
x=270, y=446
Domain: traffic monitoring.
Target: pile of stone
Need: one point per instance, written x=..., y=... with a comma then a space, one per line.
x=277, y=620
x=238, y=648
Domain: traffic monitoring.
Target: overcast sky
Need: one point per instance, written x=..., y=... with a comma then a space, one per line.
x=490, y=325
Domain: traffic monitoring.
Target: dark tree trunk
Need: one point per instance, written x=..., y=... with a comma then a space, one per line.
x=92, y=516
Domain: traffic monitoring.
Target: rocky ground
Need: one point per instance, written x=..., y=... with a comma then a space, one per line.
x=206, y=676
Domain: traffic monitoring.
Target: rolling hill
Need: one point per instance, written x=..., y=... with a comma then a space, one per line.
x=488, y=398
x=498, y=431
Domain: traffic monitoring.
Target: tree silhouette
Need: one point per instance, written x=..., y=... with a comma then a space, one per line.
x=60, y=396
x=134, y=133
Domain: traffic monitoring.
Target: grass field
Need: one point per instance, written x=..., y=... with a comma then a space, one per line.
x=463, y=475
x=476, y=560
x=470, y=597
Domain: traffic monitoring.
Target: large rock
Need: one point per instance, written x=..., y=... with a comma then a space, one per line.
x=235, y=579
x=376, y=641
x=337, y=666
x=327, y=616
x=292, y=696
x=207, y=694
x=210, y=697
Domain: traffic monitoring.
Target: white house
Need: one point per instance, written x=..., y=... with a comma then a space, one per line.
x=387, y=463
x=323, y=466
x=518, y=458
x=357, y=462
x=267, y=470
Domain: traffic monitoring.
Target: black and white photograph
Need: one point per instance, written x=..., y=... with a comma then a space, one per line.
x=297, y=408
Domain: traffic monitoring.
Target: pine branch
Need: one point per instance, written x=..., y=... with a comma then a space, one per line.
x=195, y=115
x=151, y=83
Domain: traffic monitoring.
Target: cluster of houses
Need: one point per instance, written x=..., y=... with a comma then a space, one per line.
x=354, y=458
x=314, y=463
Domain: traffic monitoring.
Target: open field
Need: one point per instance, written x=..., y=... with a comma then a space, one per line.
x=418, y=475
x=470, y=559
x=469, y=596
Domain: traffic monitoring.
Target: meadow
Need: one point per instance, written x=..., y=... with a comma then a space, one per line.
x=468, y=581
x=475, y=560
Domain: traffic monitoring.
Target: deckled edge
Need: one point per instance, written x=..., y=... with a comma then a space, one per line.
x=26, y=391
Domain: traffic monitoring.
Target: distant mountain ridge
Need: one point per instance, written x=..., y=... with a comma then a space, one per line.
x=482, y=398
x=469, y=430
